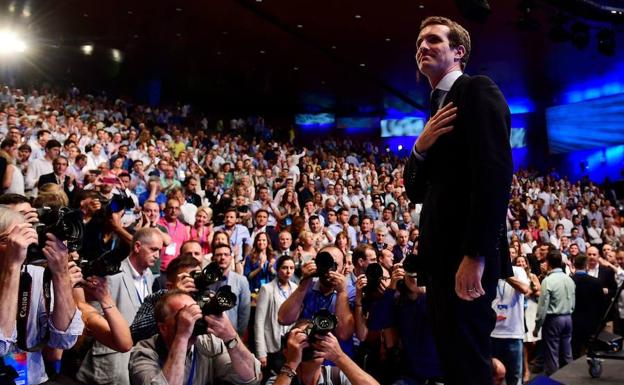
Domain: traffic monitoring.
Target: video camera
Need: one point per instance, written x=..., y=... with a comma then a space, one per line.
x=211, y=302
x=66, y=225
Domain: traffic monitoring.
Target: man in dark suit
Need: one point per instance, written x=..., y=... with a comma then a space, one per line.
x=402, y=248
x=605, y=275
x=59, y=176
x=461, y=173
x=588, y=308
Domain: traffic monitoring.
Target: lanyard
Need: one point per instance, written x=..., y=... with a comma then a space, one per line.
x=501, y=293
x=284, y=293
x=192, y=373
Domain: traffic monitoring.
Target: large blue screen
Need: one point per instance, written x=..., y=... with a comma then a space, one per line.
x=408, y=126
x=589, y=124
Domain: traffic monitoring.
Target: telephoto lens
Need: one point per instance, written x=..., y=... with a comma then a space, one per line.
x=214, y=303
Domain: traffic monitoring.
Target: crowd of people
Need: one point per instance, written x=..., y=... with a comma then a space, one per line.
x=301, y=237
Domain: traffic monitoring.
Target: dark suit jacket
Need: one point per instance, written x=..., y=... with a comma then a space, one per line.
x=51, y=178
x=464, y=183
x=398, y=253
x=589, y=306
x=606, y=276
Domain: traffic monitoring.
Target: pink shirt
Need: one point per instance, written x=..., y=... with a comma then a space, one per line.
x=179, y=233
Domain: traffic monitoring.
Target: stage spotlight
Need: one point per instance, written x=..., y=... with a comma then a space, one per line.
x=87, y=49
x=580, y=35
x=11, y=43
x=116, y=55
x=606, y=42
x=400, y=147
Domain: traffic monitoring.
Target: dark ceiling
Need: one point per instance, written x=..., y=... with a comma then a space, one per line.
x=274, y=55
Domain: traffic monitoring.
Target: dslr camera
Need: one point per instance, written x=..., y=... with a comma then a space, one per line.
x=119, y=202
x=66, y=225
x=323, y=322
x=374, y=273
x=211, y=302
x=109, y=263
x=324, y=264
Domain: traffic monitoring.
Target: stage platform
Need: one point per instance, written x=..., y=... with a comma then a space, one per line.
x=577, y=373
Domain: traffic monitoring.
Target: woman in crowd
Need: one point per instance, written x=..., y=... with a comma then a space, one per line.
x=202, y=231
x=117, y=166
x=288, y=209
x=268, y=331
x=529, y=243
x=530, y=313
x=260, y=264
x=342, y=242
x=13, y=181
x=610, y=237
x=305, y=250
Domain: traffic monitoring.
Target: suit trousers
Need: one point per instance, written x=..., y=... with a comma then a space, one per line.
x=557, y=336
x=462, y=329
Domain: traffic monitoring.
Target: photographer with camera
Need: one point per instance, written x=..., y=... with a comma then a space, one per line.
x=179, y=276
x=323, y=286
x=417, y=360
x=38, y=323
x=129, y=289
x=240, y=313
x=176, y=356
x=302, y=368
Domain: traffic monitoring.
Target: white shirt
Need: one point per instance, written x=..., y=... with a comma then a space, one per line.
x=36, y=168
x=140, y=283
x=509, y=308
x=593, y=272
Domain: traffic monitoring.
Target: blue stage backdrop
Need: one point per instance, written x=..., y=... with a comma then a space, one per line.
x=597, y=123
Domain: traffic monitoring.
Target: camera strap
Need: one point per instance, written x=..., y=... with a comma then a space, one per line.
x=23, y=308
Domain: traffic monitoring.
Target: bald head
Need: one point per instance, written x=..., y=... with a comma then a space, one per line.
x=592, y=257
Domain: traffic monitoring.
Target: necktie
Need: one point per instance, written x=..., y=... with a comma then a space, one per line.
x=437, y=96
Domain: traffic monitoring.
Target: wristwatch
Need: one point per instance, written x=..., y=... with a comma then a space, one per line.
x=231, y=344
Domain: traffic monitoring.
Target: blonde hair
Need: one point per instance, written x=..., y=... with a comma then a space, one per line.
x=8, y=217
x=51, y=194
x=206, y=210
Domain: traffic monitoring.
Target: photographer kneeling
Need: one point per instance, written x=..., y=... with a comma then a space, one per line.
x=304, y=366
x=181, y=354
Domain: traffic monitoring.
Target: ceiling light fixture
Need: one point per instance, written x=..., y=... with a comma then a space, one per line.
x=362, y=65
x=387, y=39
x=299, y=25
x=358, y=16
x=87, y=49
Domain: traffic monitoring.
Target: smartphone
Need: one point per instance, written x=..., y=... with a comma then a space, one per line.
x=109, y=180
